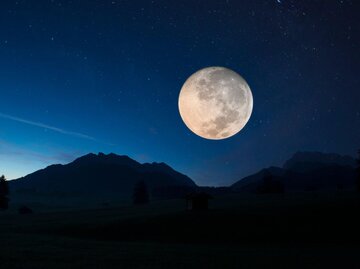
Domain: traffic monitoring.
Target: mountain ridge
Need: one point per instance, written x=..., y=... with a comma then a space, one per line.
x=305, y=171
x=101, y=173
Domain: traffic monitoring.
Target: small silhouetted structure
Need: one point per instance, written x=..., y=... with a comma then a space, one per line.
x=4, y=192
x=23, y=210
x=105, y=204
x=141, y=193
x=270, y=185
x=311, y=188
x=198, y=201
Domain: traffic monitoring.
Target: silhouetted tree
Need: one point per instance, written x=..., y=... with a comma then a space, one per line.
x=141, y=194
x=358, y=171
x=24, y=210
x=339, y=186
x=4, y=192
x=270, y=185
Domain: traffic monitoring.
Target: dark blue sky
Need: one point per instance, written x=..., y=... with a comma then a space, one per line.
x=90, y=76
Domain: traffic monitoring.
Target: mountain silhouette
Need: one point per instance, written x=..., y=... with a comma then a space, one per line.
x=306, y=171
x=97, y=174
x=303, y=162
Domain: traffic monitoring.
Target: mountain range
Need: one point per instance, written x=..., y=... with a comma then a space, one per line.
x=100, y=175
x=111, y=175
x=306, y=171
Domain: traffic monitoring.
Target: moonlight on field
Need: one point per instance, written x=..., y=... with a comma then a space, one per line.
x=215, y=103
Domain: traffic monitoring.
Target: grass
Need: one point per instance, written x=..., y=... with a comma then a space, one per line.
x=268, y=231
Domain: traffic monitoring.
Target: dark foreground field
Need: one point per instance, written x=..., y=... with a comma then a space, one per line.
x=266, y=231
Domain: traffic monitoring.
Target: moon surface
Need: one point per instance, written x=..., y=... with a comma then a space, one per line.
x=215, y=103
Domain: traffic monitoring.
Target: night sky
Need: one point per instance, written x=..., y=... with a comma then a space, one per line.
x=104, y=76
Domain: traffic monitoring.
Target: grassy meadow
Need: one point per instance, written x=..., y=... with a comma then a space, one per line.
x=304, y=230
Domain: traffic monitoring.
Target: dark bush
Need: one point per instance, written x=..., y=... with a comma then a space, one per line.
x=24, y=210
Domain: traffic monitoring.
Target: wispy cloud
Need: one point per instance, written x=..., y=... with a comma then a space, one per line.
x=17, y=161
x=45, y=126
x=13, y=151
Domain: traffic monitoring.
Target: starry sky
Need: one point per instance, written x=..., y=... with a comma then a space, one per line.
x=104, y=76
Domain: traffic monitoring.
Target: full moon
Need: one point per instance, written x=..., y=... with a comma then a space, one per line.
x=215, y=103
